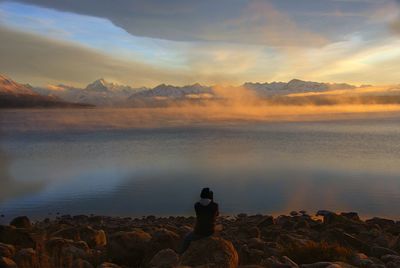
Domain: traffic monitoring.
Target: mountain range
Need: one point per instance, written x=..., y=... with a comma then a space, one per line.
x=103, y=93
x=13, y=94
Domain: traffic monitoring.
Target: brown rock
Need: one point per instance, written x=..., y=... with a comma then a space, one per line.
x=16, y=237
x=79, y=263
x=381, y=251
x=129, y=248
x=163, y=238
x=21, y=222
x=211, y=250
x=108, y=265
x=383, y=223
x=7, y=263
x=94, y=238
x=7, y=250
x=27, y=258
x=64, y=252
x=166, y=258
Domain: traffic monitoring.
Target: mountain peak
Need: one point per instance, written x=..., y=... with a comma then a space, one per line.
x=8, y=86
x=99, y=85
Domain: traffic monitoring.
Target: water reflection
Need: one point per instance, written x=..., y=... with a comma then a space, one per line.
x=253, y=168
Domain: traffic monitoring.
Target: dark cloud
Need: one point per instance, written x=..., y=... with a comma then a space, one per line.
x=238, y=21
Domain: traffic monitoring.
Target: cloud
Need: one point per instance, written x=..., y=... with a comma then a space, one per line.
x=34, y=59
x=261, y=23
x=237, y=21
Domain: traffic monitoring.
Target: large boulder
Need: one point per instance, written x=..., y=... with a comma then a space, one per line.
x=129, y=248
x=16, y=237
x=94, y=238
x=7, y=250
x=166, y=258
x=27, y=258
x=21, y=222
x=211, y=250
x=163, y=238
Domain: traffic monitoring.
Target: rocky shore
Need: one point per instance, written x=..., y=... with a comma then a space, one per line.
x=297, y=240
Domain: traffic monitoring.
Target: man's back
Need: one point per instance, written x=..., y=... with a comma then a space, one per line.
x=206, y=217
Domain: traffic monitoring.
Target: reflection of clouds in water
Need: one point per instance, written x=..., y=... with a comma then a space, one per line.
x=168, y=192
x=254, y=168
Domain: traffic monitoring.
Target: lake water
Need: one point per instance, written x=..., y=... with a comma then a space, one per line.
x=52, y=162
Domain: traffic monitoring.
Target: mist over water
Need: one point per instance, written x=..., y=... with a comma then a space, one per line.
x=133, y=162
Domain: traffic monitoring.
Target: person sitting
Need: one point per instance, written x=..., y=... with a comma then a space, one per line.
x=206, y=215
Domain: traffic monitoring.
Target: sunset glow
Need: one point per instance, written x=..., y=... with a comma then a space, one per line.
x=145, y=43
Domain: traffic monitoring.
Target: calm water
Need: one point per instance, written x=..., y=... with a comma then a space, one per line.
x=253, y=167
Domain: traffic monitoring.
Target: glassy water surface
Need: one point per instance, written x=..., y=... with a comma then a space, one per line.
x=253, y=167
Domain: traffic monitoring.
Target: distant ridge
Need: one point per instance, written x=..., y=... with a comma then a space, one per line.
x=15, y=95
x=293, y=86
x=103, y=93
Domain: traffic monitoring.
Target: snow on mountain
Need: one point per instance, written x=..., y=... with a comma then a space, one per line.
x=293, y=86
x=100, y=92
x=174, y=92
x=8, y=86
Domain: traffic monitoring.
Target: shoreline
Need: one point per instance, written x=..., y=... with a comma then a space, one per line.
x=296, y=240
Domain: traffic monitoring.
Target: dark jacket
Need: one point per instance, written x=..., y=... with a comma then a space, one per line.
x=206, y=217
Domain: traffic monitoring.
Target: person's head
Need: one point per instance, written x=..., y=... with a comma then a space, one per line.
x=206, y=193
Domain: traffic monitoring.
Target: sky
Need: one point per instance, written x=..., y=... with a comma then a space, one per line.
x=149, y=42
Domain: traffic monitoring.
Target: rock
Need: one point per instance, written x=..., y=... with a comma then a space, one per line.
x=256, y=243
x=333, y=218
x=163, y=238
x=294, y=213
x=7, y=263
x=166, y=258
x=108, y=265
x=63, y=251
x=286, y=222
x=250, y=266
x=245, y=231
x=27, y=258
x=21, y=222
x=79, y=263
x=320, y=265
x=362, y=260
x=265, y=222
x=16, y=237
x=390, y=258
x=208, y=250
x=94, y=238
x=250, y=255
x=383, y=223
x=350, y=215
x=129, y=248
x=7, y=250
x=381, y=251
x=282, y=262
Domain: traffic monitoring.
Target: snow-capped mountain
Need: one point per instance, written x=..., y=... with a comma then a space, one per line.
x=8, y=86
x=174, y=92
x=293, y=86
x=100, y=92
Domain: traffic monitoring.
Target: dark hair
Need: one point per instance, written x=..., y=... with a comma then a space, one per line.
x=206, y=193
